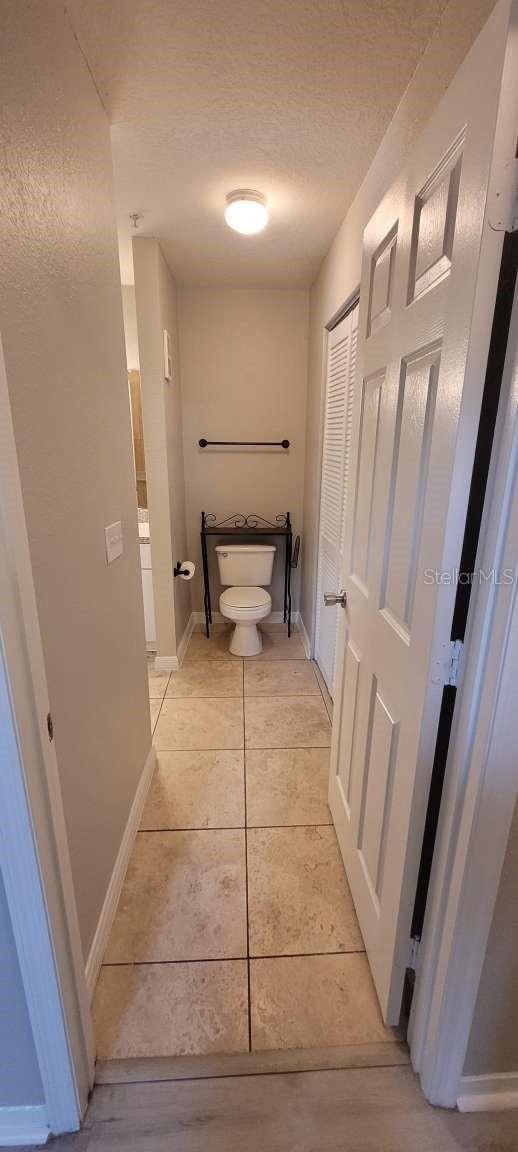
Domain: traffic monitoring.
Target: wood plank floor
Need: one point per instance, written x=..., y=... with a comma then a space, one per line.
x=353, y=1110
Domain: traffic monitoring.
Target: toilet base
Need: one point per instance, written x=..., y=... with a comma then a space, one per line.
x=246, y=640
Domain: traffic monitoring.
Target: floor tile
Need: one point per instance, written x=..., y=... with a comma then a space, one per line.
x=282, y=722
x=157, y=682
x=279, y=627
x=265, y=626
x=313, y=1002
x=207, y=678
x=184, y=898
x=186, y=725
x=214, y=648
x=197, y=790
x=154, y=709
x=218, y=626
x=279, y=646
x=171, y=1009
x=287, y=786
x=280, y=678
x=298, y=896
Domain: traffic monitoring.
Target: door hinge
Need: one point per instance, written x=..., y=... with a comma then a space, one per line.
x=414, y=953
x=452, y=668
x=50, y=727
x=445, y=668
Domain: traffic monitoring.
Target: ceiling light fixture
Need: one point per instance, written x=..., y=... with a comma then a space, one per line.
x=246, y=212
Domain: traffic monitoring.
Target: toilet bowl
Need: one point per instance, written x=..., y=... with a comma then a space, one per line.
x=245, y=607
x=246, y=569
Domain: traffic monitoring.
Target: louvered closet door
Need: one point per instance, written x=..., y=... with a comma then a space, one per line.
x=341, y=367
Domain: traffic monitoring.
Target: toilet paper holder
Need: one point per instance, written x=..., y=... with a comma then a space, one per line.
x=179, y=571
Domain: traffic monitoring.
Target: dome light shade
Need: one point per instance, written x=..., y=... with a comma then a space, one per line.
x=246, y=212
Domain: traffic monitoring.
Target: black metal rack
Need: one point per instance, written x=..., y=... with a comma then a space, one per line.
x=246, y=526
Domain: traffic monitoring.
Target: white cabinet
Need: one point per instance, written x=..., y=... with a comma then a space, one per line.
x=145, y=554
x=147, y=589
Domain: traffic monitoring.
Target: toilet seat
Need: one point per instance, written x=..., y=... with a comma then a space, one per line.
x=245, y=598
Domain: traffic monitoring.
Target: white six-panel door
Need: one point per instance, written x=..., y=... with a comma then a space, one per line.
x=414, y=425
x=340, y=376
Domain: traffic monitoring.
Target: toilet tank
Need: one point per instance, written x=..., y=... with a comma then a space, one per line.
x=245, y=565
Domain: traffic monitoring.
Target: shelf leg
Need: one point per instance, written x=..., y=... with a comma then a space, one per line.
x=206, y=591
x=288, y=578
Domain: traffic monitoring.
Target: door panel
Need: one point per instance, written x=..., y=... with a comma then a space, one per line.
x=381, y=745
x=414, y=423
x=413, y=430
x=367, y=459
x=382, y=282
x=349, y=705
x=435, y=214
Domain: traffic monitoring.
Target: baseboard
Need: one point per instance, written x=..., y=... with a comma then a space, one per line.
x=23, y=1125
x=492, y=1093
x=304, y=637
x=217, y=618
x=111, y=901
x=188, y=631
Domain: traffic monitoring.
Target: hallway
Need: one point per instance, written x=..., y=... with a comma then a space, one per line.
x=236, y=930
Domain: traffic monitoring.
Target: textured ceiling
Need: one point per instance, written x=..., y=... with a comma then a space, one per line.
x=287, y=96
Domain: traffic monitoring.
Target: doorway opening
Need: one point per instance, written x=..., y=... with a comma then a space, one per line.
x=139, y=460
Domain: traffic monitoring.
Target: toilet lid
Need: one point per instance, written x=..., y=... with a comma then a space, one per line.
x=245, y=597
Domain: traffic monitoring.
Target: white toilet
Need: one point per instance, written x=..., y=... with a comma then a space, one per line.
x=246, y=569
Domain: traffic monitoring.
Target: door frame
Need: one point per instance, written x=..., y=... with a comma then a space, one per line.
x=352, y=300
x=34, y=856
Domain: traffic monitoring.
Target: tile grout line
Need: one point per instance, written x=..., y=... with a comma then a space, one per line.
x=239, y=827
x=246, y=877
x=403, y=1063
x=153, y=729
x=255, y=747
x=249, y=696
x=232, y=959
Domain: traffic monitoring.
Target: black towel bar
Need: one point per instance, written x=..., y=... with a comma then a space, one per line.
x=248, y=443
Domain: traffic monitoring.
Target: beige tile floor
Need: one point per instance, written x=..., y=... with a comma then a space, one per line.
x=236, y=929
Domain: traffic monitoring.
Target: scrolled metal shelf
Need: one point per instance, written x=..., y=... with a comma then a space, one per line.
x=250, y=525
x=239, y=520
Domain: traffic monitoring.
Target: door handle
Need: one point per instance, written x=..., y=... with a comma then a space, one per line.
x=331, y=598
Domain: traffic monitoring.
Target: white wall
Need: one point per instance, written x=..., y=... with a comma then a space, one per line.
x=61, y=321
x=340, y=271
x=155, y=292
x=243, y=356
x=20, y=1080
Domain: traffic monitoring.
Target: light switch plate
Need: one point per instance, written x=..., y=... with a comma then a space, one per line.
x=114, y=545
